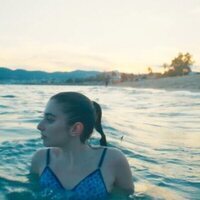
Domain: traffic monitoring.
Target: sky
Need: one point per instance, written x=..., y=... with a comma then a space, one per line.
x=124, y=35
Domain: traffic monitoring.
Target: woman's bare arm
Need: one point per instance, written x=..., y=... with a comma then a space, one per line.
x=123, y=175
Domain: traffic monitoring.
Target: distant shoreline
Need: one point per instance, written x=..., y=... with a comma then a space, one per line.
x=188, y=83
x=184, y=83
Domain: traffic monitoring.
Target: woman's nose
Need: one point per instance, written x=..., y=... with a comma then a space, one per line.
x=40, y=126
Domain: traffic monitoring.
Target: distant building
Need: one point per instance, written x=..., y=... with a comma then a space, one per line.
x=115, y=77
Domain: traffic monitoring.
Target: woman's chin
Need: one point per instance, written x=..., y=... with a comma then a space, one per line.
x=46, y=144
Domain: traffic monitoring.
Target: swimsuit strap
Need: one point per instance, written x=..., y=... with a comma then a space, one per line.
x=102, y=157
x=48, y=157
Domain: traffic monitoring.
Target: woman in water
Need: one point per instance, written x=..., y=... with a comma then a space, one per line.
x=70, y=168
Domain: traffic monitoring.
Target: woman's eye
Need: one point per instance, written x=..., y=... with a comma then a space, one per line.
x=49, y=119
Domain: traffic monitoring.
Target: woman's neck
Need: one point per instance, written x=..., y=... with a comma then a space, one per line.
x=74, y=153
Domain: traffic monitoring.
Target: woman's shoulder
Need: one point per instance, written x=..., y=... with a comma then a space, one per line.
x=115, y=154
x=38, y=160
x=110, y=151
x=112, y=154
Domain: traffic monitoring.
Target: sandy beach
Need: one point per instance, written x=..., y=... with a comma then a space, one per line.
x=188, y=83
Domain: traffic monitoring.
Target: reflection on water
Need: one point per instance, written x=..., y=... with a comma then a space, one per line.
x=160, y=129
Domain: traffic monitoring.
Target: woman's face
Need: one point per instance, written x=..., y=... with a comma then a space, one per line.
x=53, y=127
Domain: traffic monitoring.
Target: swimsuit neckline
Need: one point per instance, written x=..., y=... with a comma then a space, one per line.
x=76, y=185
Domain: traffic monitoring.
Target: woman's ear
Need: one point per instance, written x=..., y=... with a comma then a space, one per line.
x=77, y=129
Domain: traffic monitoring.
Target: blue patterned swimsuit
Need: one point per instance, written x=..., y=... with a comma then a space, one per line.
x=92, y=187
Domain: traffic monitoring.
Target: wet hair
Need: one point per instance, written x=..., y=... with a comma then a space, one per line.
x=80, y=108
x=98, y=126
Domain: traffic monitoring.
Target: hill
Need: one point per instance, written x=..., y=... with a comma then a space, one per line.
x=22, y=76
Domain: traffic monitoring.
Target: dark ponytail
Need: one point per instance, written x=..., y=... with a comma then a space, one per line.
x=98, y=126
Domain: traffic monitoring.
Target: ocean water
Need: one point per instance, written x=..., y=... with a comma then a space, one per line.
x=160, y=129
